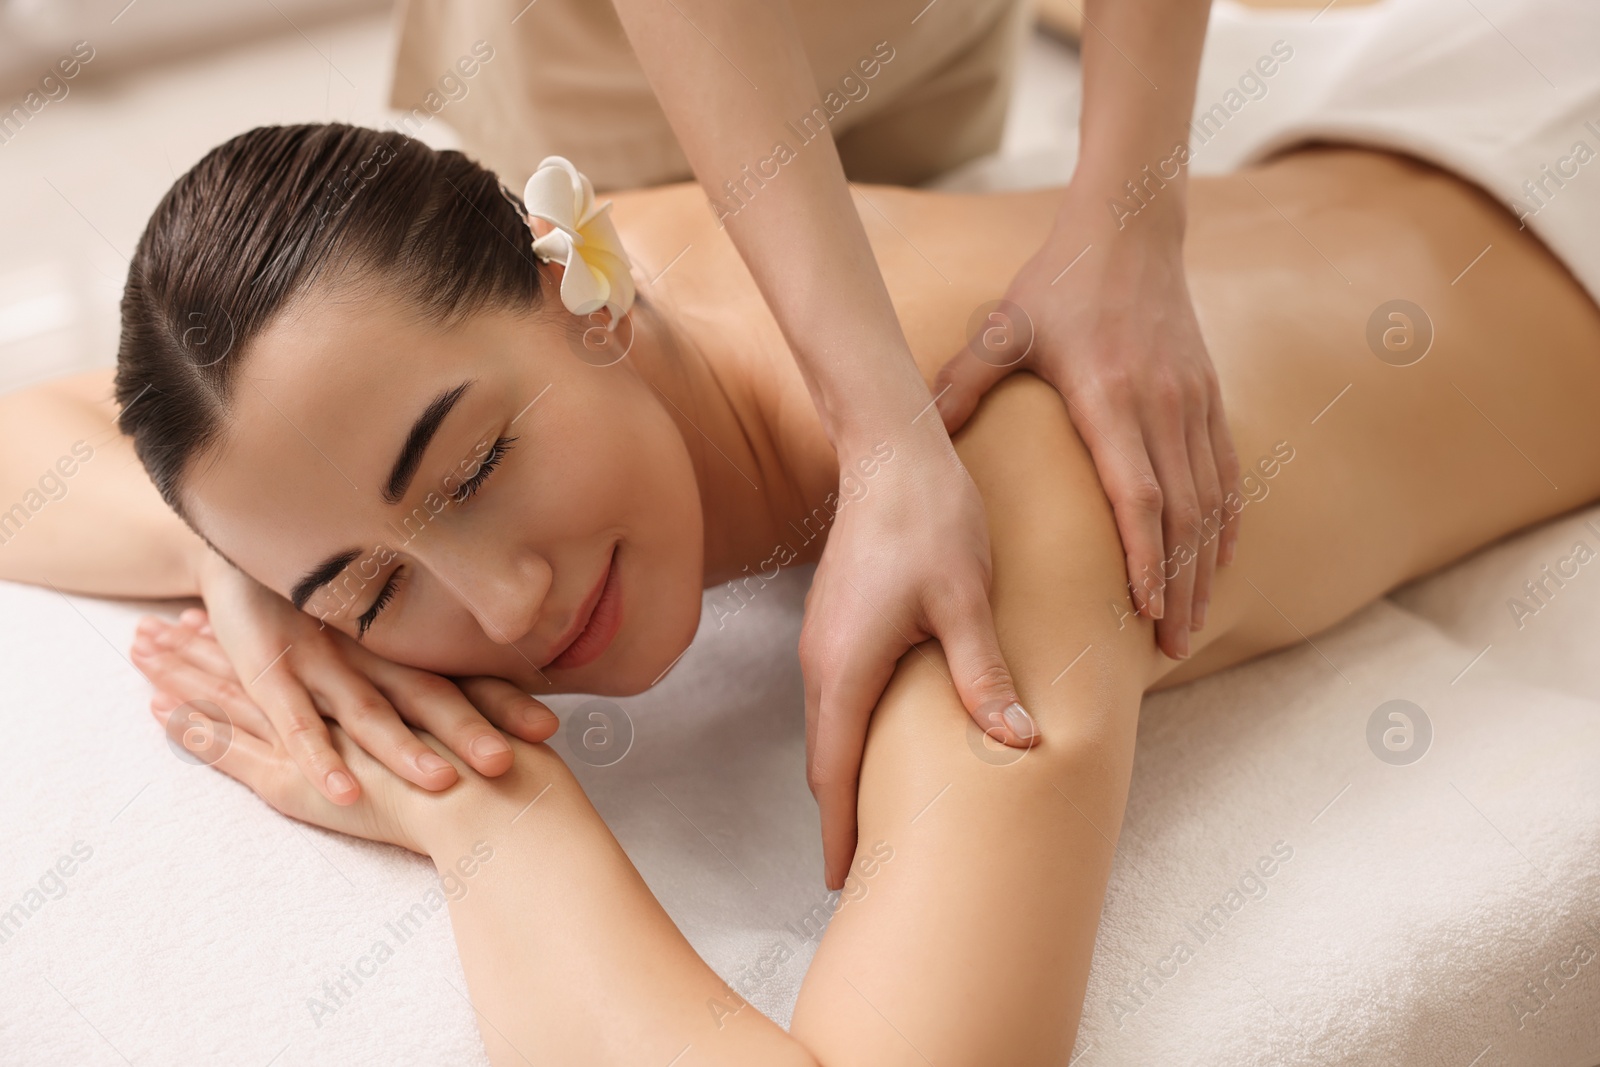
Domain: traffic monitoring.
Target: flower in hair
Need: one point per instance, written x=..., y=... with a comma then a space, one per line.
x=584, y=240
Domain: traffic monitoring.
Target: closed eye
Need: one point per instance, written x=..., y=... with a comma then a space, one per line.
x=490, y=462
x=497, y=452
x=385, y=595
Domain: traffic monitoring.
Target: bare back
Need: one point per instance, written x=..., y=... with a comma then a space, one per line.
x=1396, y=469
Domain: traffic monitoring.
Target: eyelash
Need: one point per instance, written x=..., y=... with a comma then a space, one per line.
x=490, y=462
x=496, y=453
x=385, y=595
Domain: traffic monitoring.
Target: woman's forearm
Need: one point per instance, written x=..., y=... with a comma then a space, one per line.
x=569, y=958
x=77, y=511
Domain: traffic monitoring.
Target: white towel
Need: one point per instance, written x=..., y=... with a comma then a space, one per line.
x=1504, y=93
x=1418, y=903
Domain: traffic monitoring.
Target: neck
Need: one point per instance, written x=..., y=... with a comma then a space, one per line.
x=756, y=485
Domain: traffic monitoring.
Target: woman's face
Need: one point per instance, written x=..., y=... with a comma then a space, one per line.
x=472, y=499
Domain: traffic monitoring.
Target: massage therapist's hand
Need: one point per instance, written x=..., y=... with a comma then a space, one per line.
x=1103, y=313
x=910, y=560
x=298, y=671
x=906, y=561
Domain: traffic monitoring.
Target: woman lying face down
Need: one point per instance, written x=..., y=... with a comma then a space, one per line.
x=974, y=944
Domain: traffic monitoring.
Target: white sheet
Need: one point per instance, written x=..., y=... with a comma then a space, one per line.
x=1418, y=903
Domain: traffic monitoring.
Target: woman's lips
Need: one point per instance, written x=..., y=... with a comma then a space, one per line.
x=604, y=605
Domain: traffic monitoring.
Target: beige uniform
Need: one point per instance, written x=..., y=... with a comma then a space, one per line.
x=911, y=88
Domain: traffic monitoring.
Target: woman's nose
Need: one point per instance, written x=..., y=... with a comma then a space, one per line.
x=505, y=592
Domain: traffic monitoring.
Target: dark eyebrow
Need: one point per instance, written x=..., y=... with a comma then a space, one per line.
x=405, y=469
x=319, y=576
x=422, y=431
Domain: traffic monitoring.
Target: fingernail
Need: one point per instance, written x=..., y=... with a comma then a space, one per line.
x=1019, y=720
x=1180, y=643
x=489, y=746
x=432, y=763
x=1199, y=619
x=143, y=645
x=339, y=783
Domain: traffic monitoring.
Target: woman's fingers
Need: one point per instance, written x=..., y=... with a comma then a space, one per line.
x=182, y=684
x=196, y=619
x=267, y=638
x=211, y=715
x=206, y=654
x=437, y=705
x=299, y=725
x=217, y=724
x=236, y=752
x=352, y=700
x=264, y=767
x=511, y=709
x=181, y=676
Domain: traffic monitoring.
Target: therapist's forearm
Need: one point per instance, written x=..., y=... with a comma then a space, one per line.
x=1141, y=59
x=77, y=511
x=799, y=232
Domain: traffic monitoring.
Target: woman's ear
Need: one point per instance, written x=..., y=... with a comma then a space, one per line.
x=550, y=275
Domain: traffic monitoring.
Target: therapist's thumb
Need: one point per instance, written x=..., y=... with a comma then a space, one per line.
x=983, y=681
x=962, y=382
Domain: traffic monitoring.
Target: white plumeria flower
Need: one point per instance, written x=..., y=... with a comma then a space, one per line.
x=584, y=240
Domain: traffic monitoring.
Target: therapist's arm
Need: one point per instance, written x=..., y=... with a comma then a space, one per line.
x=1104, y=312
x=910, y=560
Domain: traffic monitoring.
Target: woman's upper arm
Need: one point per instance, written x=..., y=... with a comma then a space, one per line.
x=971, y=910
x=76, y=509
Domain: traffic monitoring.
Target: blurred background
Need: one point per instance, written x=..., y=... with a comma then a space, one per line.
x=170, y=79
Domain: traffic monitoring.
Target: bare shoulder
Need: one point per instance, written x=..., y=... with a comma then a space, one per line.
x=1060, y=576
x=91, y=388
x=941, y=255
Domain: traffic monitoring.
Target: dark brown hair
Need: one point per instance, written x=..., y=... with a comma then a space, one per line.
x=256, y=222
